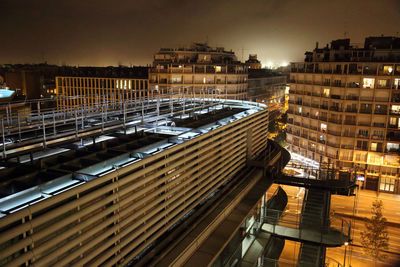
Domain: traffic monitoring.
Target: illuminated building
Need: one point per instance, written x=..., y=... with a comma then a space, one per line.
x=253, y=62
x=110, y=189
x=344, y=108
x=75, y=91
x=199, y=70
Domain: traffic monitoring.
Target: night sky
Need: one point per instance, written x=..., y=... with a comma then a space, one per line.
x=106, y=32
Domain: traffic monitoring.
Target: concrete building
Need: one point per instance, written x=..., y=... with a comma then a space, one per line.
x=93, y=85
x=199, y=70
x=253, y=62
x=100, y=190
x=344, y=108
x=75, y=91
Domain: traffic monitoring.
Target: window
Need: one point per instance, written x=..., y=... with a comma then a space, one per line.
x=217, y=68
x=176, y=79
x=323, y=127
x=387, y=69
x=368, y=82
x=395, y=109
x=387, y=184
x=382, y=83
x=326, y=92
x=373, y=146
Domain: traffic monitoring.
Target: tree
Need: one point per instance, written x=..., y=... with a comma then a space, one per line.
x=375, y=237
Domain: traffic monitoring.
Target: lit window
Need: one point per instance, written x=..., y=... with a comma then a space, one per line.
x=217, y=68
x=326, y=92
x=204, y=79
x=323, y=127
x=373, y=146
x=368, y=82
x=300, y=109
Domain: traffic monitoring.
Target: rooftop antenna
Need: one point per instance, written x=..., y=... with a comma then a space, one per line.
x=243, y=52
x=345, y=34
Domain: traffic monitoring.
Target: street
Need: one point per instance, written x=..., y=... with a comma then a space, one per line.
x=343, y=208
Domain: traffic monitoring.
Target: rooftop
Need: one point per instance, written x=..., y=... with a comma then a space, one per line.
x=36, y=167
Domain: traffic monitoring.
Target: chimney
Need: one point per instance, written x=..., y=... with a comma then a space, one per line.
x=316, y=45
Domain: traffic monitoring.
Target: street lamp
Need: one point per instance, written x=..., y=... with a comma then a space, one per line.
x=345, y=251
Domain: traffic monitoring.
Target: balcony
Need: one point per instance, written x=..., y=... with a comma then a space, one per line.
x=321, y=141
x=377, y=137
x=336, y=97
x=314, y=105
x=366, y=111
x=314, y=128
x=397, y=99
x=347, y=134
x=392, y=150
x=380, y=111
x=312, y=138
x=394, y=112
x=306, y=104
x=323, y=107
x=347, y=146
x=369, y=72
x=353, y=110
x=364, y=123
x=335, y=108
x=366, y=98
x=337, y=121
x=333, y=144
x=379, y=124
x=351, y=97
x=362, y=148
x=297, y=123
x=393, y=137
x=348, y=122
x=381, y=99
x=363, y=136
x=323, y=118
x=334, y=133
x=316, y=94
x=353, y=85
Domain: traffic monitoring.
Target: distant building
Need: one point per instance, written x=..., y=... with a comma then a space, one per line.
x=94, y=85
x=199, y=70
x=253, y=62
x=344, y=108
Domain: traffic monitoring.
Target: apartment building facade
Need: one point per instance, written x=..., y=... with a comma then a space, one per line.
x=92, y=91
x=344, y=108
x=198, y=71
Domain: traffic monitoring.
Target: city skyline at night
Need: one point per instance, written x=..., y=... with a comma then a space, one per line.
x=98, y=34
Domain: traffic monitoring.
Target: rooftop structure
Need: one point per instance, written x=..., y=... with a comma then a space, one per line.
x=199, y=70
x=253, y=62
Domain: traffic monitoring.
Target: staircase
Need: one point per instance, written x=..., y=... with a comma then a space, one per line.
x=311, y=255
x=315, y=211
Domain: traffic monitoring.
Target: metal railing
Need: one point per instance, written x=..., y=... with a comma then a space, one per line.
x=294, y=220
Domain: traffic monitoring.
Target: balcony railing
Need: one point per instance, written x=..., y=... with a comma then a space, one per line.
x=334, y=133
x=366, y=111
x=347, y=134
x=350, y=122
x=333, y=144
x=378, y=124
x=364, y=123
x=352, y=97
x=347, y=146
x=380, y=111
